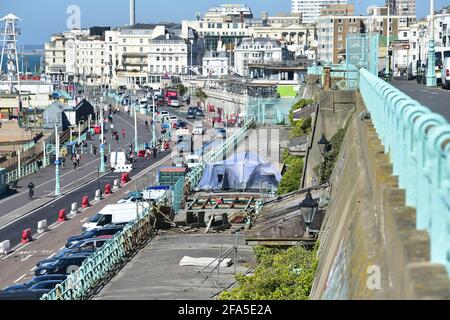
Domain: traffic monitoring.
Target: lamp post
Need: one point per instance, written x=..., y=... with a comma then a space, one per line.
x=102, y=145
x=57, y=183
x=154, y=122
x=388, y=69
x=136, y=148
x=308, y=208
x=431, y=69
x=324, y=145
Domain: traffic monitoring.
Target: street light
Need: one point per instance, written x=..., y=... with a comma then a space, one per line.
x=57, y=183
x=431, y=69
x=102, y=145
x=308, y=208
x=324, y=145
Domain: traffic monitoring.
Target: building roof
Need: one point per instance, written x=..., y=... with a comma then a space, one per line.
x=215, y=54
x=168, y=36
x=304, y=112
x=262, y=41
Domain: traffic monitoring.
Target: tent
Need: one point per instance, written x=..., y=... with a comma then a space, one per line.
x=242, y=171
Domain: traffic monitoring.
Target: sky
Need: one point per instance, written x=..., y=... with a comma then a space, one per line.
x=41, y=18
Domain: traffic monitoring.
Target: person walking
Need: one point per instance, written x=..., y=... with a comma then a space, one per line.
x=94, y=149
x=146, y=123
x=78, y=158
x=74, y=160
x=63, y=161
x=31, y=190
x=123, y=134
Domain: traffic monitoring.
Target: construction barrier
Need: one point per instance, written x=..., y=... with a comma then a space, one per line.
x=116, y=184
x=125, y=178
x=85, y=202
x=74, y=208
x=42, y=226
x=98, y=195
x=26, y=236
x=107, y=189
x=62, y=215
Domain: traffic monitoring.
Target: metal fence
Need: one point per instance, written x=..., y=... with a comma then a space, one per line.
x=418, y=143
x=178, y=195
x=98, y=268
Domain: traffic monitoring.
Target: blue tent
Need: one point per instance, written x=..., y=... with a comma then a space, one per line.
x=245, y=171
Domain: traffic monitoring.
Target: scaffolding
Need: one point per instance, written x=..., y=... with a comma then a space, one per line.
x=9, y=36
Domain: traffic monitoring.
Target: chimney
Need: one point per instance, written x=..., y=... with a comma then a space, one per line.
x=132, y=13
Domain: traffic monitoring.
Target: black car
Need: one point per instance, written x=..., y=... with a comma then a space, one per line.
x=36, y=280
x=108, y=230
x=190, y=114
x=65, y=265
x=199, y=113
x=35, y=292
x=181, y=124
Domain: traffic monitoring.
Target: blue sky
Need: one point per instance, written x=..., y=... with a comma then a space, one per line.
x=41, y=18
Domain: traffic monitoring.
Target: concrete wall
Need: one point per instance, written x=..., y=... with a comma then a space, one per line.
x=335, y=109
x=370, y=248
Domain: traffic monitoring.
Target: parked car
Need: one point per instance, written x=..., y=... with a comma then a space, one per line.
x=199, y=128
x=199, y=113
x=108, y=230
x=65, y=265
x=220, y=133
x=173, y=119
x=131, y=197
x=32, y=293
x=36, y=280
x=181, y=124
x=191, y=113
x=413, y=67
x=164, y=115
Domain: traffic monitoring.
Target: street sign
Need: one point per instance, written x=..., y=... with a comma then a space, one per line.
x=401, y=45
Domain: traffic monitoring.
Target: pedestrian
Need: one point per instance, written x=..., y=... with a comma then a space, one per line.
x=63, y=162
x=123, y=134
x=74, y=163
x=78, y=158
x=146, y=123
x=39, y=164
x=155, y=151
x=31, y=190
x=117, y=138
x=94, y=148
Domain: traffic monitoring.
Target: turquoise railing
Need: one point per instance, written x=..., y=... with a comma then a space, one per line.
x=95, y=269
x=418, y=143
x=315, y=70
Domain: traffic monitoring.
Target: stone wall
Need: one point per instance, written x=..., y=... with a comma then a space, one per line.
x=370, y=247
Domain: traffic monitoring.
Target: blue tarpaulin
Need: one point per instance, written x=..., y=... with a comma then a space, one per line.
x=242, y=171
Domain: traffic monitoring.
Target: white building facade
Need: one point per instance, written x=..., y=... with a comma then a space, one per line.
x=215, y=64
x=255, y=51
x=310, y=9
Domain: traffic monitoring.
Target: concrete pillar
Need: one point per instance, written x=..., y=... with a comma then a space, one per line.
x=327, y=78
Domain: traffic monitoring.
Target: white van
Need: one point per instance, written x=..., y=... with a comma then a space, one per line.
x=445, y=74
x=117, y=214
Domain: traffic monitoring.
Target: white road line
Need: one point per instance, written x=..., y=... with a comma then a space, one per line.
x=32, y=269
x=17, y=248
x=84, y=220
x=20, y=278
x=49, y=257
x=26, y=258
x=62, y=247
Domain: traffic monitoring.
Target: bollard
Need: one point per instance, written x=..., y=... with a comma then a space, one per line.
x=26, y=236
x=5, y=247
x=98, y=195
x=74, y=208
x=85, y=202
x=62, y=215
x=107, y=189
x=116, y=184
x=42, y=226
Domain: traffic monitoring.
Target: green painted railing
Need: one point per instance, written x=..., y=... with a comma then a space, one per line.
x=105, y=261
x=418, y=143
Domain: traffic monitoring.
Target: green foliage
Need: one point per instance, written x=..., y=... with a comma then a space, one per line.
x=302, y=126
x=326, y=168
x=291, y=179
x=279, y=275
x=181, y=89
x=201, y=95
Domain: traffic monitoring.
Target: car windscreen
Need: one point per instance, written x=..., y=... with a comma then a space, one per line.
x=447, y=54
x=95, y=218
x=173, y=98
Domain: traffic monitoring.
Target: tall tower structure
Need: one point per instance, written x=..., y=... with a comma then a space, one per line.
x=9, y=36
x=132, y=12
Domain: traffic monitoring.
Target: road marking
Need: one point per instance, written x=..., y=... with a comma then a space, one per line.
x=26, y=258
x=32, y=269
x=23, y=276
x=62, y=248
x=50, y=256
x=18, y=247
x=84, y=220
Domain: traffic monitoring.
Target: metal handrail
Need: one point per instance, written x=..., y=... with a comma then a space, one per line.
x=418, y=143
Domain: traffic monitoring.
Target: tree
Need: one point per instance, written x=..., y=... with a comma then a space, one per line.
x=291, y=179
x=182, y=90
x=201, y=95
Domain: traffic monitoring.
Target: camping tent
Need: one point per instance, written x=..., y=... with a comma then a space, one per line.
x=242, y=171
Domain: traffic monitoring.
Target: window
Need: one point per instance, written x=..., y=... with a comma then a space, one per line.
x=141, y=40
x=405, y=34
x=124, y=40
x=110, y=39
x=157, y=58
